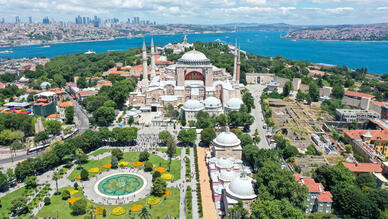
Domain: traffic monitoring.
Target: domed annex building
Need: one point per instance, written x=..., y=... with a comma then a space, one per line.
x=193, y=81
x=230, y=179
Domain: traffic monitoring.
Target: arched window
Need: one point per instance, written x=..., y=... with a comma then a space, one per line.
x=194, y=75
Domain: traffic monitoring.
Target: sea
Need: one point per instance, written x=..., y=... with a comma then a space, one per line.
x=370, y=55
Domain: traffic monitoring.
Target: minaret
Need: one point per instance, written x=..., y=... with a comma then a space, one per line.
x=235, y=63
x=153, y=74
x=238, y=66
x=145, y=68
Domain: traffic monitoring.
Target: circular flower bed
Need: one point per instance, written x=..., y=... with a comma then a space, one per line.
x=153, y=200
x=161, y=170
x=118, y=211
x=137, y=164
x=167, y=176
x=123, y=164
x=73, y=200
x=99, y=210
x=94, y=170
x=136, y=207
x=167, y=193
x=107, y=166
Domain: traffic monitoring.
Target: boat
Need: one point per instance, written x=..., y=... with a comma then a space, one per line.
x=218, y=40
x=46, y=46
x=6, y=51
x=90, y=52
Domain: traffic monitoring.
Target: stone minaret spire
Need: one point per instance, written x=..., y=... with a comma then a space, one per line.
x=235, y=63
x=153, y=74
x=238, y=65
x=145, y=68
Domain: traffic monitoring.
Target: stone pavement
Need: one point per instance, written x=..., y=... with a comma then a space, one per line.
x=193, y=184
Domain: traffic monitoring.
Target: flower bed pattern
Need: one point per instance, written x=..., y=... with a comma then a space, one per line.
x=137, y=164
x=118, y=211
x=73, y=200
x=73, y=191
x=153, y=200
x=99, y=210
x=136, y=207
x=107, y=166
x=78, y=176
x=167, y=176
x=161, y=170
x=94, y=170
x=123, y=164
x=167, y=193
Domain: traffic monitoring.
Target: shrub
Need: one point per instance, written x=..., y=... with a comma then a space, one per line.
x=153, y=200
x=155, y=175
x=75, y=186
x=84, y=174
x=79, y=207
x=148, y=166
x=104, y=213
x=118, y=211
x=47, y=201
x=66, y=195
x=144, y=156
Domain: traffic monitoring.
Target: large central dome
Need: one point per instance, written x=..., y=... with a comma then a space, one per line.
x=194, y=57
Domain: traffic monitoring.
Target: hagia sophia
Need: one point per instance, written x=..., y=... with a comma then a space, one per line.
x=193, y=81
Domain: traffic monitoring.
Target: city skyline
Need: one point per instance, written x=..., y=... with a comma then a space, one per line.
x=304, y=12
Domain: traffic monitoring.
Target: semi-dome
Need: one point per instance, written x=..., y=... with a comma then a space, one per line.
x=234, y=103
x=227, y=139
x=227, y=175
x=212, y=102
x=193, y=105
x=241, y=188
x=194, y=55
x=224, y=163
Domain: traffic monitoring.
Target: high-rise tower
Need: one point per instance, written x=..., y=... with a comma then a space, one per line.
x=153, y=74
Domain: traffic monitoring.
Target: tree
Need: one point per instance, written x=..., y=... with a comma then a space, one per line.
x=114, y=162
x=104, y=115
x=18, y=205
x=91, y=209
x=81, y=83
x=52, y=126
x=69, y=115
x=247, y=98
x=314, y=92
x=222, y=120
x=117, y=153
x=30, y=182
x=148, y=166
x=56, y=176
x=80, y=156
x=110, y=103
x=171, y=147
x=159, y=187
x=3, y=181
x=330, y=176
x=47, y=201
x=84, y=174
x=300, y=96
x=238, y=211
x=41, y=136
x=366, y=181
x=164, y=135
x=187, y=136
x=155, y=175
x=143, y=156
x=287, y=88
x=245, y=139
x=290, y=151
x=79, y=207
x=274, y=209
x=144, y=213
x=131, y=120
x=207, y=135
x=11, y=177
x=249, y=154
x=338, y=91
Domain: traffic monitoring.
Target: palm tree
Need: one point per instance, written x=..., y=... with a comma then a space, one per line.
x=56, y=176
x=144, y=213
x=91, y=209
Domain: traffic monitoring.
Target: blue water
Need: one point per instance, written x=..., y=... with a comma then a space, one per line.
x=372, y=55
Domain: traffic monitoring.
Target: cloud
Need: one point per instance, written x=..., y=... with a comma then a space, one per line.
x=382, y=8
x=339, y=10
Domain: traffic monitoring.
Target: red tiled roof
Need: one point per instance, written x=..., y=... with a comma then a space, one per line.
x=55, y=115
x=357, y=94
x=363, y=167
x=325, y=196
x=87, y=92
x=66, y=104
x=309, y=183
x=317, y=72
x=379, y=103
x=376, y=134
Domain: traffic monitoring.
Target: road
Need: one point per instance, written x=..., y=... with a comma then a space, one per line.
x=256, y=91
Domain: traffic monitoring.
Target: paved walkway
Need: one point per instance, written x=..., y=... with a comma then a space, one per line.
x=182, y=186
x=208, y=206
x=193, y=184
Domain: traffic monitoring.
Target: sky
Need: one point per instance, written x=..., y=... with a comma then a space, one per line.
x=303, y=12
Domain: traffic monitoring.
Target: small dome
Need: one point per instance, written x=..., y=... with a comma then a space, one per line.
x=241, y=188
x=193, y=105
x=227, y=175
x=224, y=163
x=234, y=103
x=227, y=139
x=212, y=102
x=194, y=56
x=45, y=84
x=367, y=134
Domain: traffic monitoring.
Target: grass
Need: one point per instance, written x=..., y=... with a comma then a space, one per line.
x=60, y=207
x=100, y=151
x=7, y=199
x=164, y=150
x=175, y=168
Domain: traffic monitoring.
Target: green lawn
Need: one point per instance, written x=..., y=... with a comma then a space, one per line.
x=164, y=150
x=100, y=151
x=131, y=157
x=58, y=206
x=6, y=201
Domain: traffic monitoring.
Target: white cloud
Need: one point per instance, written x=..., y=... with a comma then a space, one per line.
x=339, y=10
x=382, y=8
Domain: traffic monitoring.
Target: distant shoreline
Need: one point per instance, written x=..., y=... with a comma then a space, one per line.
x=359, y=41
